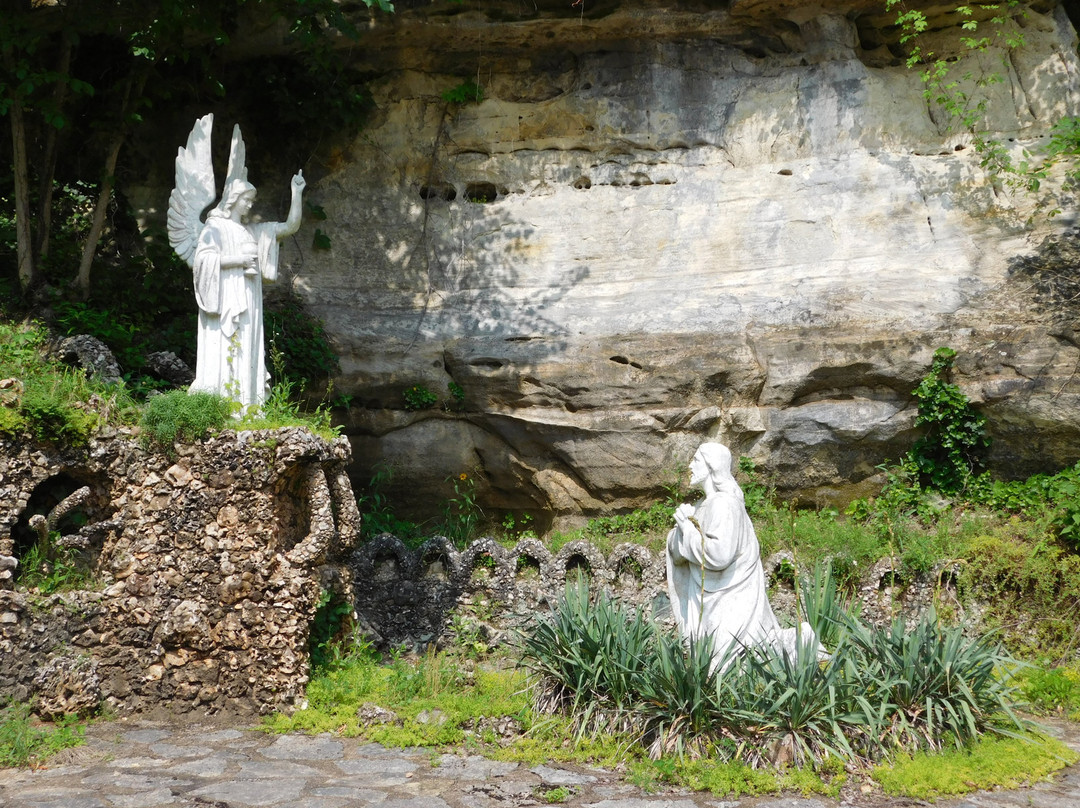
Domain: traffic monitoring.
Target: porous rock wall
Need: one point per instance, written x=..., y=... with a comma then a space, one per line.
x=668, y=221
x=489, y=593
x=208, y=566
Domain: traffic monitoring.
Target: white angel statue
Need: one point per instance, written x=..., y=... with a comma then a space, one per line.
x=229, y=259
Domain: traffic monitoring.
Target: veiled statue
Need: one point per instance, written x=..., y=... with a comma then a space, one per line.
x=230, y=258
x=715, y=579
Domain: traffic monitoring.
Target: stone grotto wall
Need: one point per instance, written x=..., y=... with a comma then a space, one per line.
x=208, y=568
x=488, y=593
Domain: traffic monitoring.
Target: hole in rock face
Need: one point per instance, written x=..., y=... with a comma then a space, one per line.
x=628, y=573
x=438, y=190
x=46, y=496
x=436, y=566
x=784, y=172
x=622, y=360
x=481, y=192
x=484, y=566
x=959, y=147
x=578, y=568
x=527, y=568
x=582, y=183
x=386, y=568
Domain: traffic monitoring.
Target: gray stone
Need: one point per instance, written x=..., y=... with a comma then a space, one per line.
x=172, y=751
x=281, y=791
x=561, y=777
x=146, y=799
x=211, y=766
x=473, y=767
x=302, y=747
x=377, y=766
x=146, y=735
x=639, y=802
x=367, y=795
x=279, y=768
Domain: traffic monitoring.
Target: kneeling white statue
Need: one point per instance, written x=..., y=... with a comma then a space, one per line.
x=715, y=579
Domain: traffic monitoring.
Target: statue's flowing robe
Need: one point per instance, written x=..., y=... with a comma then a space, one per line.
x=231, y=359
x=732, y=606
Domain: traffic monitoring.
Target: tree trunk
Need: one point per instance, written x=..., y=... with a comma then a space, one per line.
x=48, y=163
x=23, y=234
x=101, y=207
x=132, y=93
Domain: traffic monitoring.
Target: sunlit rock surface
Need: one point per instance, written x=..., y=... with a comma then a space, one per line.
x=663, y=224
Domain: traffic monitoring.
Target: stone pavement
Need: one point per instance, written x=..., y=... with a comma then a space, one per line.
x=144, y=764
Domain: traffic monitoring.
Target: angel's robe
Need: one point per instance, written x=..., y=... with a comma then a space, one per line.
x=230, y=358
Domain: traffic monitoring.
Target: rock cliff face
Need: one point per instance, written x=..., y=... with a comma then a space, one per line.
x=667, y=223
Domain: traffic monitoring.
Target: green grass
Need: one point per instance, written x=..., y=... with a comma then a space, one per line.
x=412, y=689
x=54, y=403
x=990, y=763
x=25, y=741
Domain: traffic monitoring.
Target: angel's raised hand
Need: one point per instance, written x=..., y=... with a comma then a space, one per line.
x=298, y=181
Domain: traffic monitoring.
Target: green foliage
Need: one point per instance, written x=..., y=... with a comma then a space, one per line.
x=283, y=405
x=25, y=741
x=456, y=402
x=377, y=514
x=418, y=397
x=329, y=643
x=647, y=526
x=759, y=497
x=410, y=687
x=964, y=97
x=590, y=658
x=556, y=795
x=994, y=763
x=468, y=92
x=306, y=354
x=462, y=516
x=180, y=416
x=51, y=402
x=51, y=569
x=881, y=690
x=1025, y=585
x=955, y=444
x=1053, y=689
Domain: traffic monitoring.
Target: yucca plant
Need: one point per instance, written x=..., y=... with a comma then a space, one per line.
x=795, y=708
x=680, y=704
x=824, y=607
x=936, y=684
x=589, y=657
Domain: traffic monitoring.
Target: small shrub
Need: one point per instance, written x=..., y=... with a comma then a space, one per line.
x=462, y=515
x=468, y=92
x=184, y=417
x=306, y=354
x=955, y=444
x=419, y=397
x=52, y=569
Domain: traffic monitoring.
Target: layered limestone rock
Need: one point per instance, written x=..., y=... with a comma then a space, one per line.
x=668, y=223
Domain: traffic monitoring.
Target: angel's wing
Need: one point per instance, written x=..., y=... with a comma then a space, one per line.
x=194, y=190
x=237, y=158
